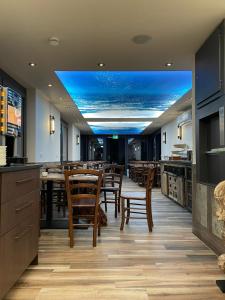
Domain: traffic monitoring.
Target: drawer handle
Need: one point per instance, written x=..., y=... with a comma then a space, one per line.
x=19, y=209
x=18, y=237
x=24, y=180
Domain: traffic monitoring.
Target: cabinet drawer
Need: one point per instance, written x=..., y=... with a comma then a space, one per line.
x=172, y=179
x=17, y=249
x=17, y=184
x=14, y=212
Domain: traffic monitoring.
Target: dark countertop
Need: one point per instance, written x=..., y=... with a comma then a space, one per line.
x=176, y=162
x=19, y=167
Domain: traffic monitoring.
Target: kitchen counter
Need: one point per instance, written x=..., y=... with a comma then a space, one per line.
x=19, y=221
x=176, y=181
x=18, y=167
x=176, y=162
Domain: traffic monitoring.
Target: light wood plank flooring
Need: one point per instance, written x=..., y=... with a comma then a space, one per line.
x=169, y=263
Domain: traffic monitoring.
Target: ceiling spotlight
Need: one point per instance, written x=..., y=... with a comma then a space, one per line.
x=53, y=41
x=141, y=39
x=32, y=64
x=49, y=85
x=101, y=65
x=169, y=64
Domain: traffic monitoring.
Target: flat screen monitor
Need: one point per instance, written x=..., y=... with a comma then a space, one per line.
x=14, y=112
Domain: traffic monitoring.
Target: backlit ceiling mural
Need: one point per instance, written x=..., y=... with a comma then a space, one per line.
x=124, y=94
x=118, y=127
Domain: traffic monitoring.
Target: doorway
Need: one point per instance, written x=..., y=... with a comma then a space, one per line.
x=64, y=142
x=115, y=150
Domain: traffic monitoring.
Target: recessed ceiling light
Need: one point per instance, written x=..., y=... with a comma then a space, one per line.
x=32, y=64
x=169, y=64
x=53, y=41
x=141, y=39
x=101, y=64
x=49, y=85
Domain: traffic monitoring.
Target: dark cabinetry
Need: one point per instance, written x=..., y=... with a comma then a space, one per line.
x=210, y=102
x=209, y=68
x=19, y=224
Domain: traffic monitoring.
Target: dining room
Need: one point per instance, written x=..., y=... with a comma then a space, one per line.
x=112, y=142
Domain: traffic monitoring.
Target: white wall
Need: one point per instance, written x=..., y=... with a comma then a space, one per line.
x=171, y=137
x=41, y=145
x=73, y=147
x=47, y=145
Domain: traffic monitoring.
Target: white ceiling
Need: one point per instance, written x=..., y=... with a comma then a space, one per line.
x=91, y=31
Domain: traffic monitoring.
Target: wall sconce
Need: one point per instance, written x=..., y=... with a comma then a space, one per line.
x=78, y=139
x=179, y=132
x=52, y=124
x=164, y=137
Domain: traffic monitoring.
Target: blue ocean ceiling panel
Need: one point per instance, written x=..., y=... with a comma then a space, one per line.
x=124, y=94
x=118, y=127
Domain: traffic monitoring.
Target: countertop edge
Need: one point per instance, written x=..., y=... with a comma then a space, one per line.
x=21, y=167
x=176, y=162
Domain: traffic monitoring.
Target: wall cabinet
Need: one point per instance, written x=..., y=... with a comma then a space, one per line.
x=210, y=136
x=19, y=224
x=209, y=68
x=210, y=106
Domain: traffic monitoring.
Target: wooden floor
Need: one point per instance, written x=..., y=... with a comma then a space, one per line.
x=169, y=263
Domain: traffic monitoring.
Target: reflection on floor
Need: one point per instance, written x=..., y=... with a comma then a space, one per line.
x=169, y=263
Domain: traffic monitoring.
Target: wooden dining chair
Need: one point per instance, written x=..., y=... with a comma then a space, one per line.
x=138, y=203
x=112, y=184
x=83, y=200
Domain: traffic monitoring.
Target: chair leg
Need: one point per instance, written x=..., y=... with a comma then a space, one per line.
x=149, y=218
x=105, y=201
x=71, y=227
x=128, y=211
x=71, y=236
x=151, y=215
x=122, y=214
x=116, y=204
x=99, y=222
x=99, y=229
x=94, y=234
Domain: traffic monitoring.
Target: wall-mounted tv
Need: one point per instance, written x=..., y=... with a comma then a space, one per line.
x=14, y=113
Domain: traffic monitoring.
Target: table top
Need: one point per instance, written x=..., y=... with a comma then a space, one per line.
x=61, y=177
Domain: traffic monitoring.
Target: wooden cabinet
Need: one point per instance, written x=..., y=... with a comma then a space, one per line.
x=176, y=188
x=19, y=224
x=176, y=177
x=164, y=184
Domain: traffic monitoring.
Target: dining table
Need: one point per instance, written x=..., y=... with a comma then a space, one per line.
x=50, y=179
